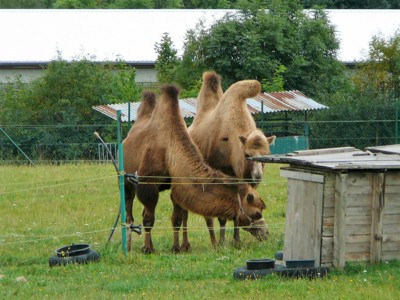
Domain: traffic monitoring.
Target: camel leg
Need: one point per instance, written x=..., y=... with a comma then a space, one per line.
x=129, y=198
x=222, y=230
x=148, y=195
x=185, y=240
x=176, y=220
x=210, y=225
x=236, y=232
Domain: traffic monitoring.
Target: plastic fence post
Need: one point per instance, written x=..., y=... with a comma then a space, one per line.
x=19, y=149
x=121, y=184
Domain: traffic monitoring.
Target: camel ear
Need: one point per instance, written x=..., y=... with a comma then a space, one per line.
x=243, y=139
x=250, y=198
x=271, y=140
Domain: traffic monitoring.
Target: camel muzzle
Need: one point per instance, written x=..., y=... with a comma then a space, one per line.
x=258, y=229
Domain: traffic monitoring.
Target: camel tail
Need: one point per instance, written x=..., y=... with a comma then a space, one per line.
x=212, y=81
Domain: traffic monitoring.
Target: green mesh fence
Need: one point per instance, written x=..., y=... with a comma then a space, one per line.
x=376, y=125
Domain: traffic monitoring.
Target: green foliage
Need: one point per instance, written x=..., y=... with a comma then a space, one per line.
x=193, y=4
x=26, y=3
x=79, y=3
x=190, y=68
x=166, y=59
x=209, y=4
x=380, y=73
x=258, y=44
x=64, y=95
x=132, y=4
x=277, y=83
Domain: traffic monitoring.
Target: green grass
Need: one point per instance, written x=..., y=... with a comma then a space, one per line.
x=43, y=208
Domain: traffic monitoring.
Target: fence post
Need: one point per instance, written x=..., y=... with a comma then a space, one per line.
x=262, y=116
x=306, y=133
x=129, y=116
x=396, y=130
x=121, y=184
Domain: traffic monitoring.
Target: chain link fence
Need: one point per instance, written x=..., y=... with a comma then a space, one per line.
x=71, y=143
x=364, y=123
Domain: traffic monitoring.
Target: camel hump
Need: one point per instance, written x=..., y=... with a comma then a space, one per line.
x=212, y=81
x=243, y=89
x=147, y=105
x=149, y=96
x=170, y=90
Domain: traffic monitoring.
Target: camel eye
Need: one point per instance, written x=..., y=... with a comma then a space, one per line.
x=250, y=198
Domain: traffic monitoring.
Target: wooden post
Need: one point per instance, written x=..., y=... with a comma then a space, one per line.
x=339, y=236
x=378, y=203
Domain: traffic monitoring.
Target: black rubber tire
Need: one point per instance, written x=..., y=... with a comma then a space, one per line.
x=92, y=256
x=279, y=255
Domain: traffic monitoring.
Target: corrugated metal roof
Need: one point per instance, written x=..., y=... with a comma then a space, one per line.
x=284, y=101
x=267, y=102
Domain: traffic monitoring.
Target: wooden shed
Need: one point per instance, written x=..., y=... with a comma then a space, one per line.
x=343, y=204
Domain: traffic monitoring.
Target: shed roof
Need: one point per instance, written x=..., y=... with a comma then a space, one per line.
x=388, y=149
x=35, y=35
x=264, y=102
x=339, y=159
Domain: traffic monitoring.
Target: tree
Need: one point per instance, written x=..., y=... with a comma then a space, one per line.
x=166, y=59
x=132, y=4
x=379, y=75
x=26, y=3
x=64, y=95
x=257, y=43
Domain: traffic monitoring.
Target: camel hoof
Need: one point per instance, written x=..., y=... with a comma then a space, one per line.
x=176, y=249
x=147, y=250
x=185, y=247
x=236, y=244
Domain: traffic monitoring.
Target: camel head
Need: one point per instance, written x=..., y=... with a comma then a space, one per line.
x=255, y=144
x=253, y=207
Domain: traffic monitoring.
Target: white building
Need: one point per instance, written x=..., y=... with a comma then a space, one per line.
x=33, y=37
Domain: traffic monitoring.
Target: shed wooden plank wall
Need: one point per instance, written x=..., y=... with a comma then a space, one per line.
x=359, y=215
x=391, y=217
x=358, y=218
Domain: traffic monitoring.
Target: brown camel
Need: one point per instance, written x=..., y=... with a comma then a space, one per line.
x=226, y=133
x=159, y=146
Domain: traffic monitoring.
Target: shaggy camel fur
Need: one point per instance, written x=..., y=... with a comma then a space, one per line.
x=226, y=133
x=133, y=155
x=159, y=146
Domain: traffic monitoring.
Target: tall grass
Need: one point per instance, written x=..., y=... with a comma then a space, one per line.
x=43, y=208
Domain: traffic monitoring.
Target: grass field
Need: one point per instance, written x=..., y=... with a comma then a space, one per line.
x=43, y=208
